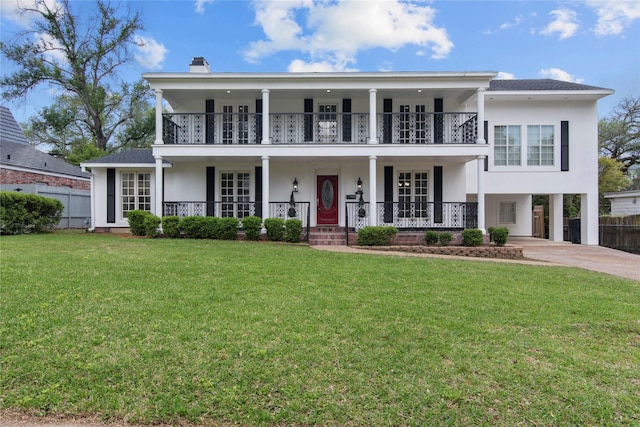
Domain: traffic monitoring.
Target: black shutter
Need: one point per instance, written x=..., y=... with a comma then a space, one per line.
x=388, y=194
x=258, y=184
x=438, y=121
x=387, y=120
x=346, y=120
x=111, y=196
x=486, y=141
x=211, y=190
x=437, y=194
x=258, y=121
x=210, y=122
x=308, y=119
x=564, y=146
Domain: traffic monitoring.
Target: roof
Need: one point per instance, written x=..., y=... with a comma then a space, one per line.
x=539, y=84
x=618, y=194
x=28, y=157
x=133, y=156
x=10, y=130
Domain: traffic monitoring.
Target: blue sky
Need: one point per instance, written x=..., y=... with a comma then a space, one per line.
x=590, y=42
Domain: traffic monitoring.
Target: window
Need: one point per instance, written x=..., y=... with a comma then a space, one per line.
x=506, y=150
x=328, y=123
x=413, y=194
x=412, y=127
x=539, y=145
x=136, y=192
x=234, y=194
x=235, y=127
x=507, y=214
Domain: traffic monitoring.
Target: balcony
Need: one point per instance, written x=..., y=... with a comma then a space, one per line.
x=320, y=128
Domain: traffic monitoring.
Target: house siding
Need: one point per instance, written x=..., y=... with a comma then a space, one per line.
x=17, y=177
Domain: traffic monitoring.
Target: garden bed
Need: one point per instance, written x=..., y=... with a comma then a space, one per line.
x=486, y=251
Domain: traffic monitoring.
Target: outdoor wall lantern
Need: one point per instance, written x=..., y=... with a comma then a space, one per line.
x=359, y=187
x=361, y=211
x=295, y=185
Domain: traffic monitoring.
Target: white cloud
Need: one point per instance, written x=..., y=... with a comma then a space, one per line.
x=150, y=54
x=558, y=74
x=16, y=10
x=614, y=16
x=505, y=76
x=334, y=32
x=565, y=23
x=300, y=66
x=517, y=21
x=200, y=5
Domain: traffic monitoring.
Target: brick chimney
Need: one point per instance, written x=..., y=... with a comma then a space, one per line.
x=199, y=65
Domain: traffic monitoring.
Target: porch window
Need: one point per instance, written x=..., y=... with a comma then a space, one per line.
x=540, y=145
x=507, y=212
x=235, y=194
x=507, y=147
x=136, y=192
x=413, y=194
x=235, y=127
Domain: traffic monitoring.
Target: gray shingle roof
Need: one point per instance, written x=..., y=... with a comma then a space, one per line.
x=538, y=84
x=26, y=156
x=135, y=155
x=10, y=130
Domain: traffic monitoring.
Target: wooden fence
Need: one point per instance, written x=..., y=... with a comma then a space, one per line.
x=620, y=232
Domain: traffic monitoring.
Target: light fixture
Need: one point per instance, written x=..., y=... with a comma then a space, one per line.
x=295, y=185
x=359, y=187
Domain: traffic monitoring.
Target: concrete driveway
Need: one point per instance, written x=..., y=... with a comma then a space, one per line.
x=596, y=258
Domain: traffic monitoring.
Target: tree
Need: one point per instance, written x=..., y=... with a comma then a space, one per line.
x=610, y=178
x=83, y=61
x=619, y=134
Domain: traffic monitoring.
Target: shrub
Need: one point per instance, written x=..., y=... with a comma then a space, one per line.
x=275, y=228
x=376, y=235
x=251, y=226
x=490, y=231
x=293, y=230
x=136, y=222
x=431, y=237
x=28, y=213
x=171, y=226
x=445, y=238
x=194, y=227
x=210, y=227
x=228, y=228
x=151, y=225
x=472, y=237
x=500, y=235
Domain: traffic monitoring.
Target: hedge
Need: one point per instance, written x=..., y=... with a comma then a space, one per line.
x=28, y=213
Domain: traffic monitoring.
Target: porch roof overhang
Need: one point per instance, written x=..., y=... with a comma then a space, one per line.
x=457, y=153
x=180, y=87
x=551, y=95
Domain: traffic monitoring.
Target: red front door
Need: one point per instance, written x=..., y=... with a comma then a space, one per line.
x=327, y=200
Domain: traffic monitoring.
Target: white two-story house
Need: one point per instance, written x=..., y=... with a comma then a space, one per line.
x=416, y=150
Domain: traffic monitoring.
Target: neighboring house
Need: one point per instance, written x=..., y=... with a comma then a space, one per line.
x=624, y=203
x=25, y=169
x=416, y=150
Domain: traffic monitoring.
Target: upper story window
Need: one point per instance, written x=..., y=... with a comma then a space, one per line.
x=411, y=127
x=507, y=146
x=328, y=123
x=540, y=145
x=136, y=192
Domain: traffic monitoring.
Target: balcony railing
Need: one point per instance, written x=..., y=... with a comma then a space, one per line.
x=320, y=128
x=414, y=215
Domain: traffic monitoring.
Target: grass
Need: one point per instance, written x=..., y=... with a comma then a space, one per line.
x=212, y=332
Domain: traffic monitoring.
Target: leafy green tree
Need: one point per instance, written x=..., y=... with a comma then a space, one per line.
x=610, y=178
x=619, y=134
x=82, y=57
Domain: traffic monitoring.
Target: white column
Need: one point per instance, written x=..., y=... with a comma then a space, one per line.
x=158, y=192
x=265, y=118
x=480, y=138
x=373, y=191
x=589, y=219
x=373, y=117
x=556, y=225
x=265, y=186
x=158, y=117
x=481, y=196
x=92, y=201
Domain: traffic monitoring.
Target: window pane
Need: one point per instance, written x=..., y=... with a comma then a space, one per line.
x=507, y=212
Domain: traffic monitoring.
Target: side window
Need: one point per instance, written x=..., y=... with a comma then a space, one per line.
x=507, y=146
x=507, y=212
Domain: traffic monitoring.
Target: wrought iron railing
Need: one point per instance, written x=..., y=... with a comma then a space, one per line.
x=237, y=209
x=426, y=215
x=427, y=128
x=319, y=128
x=286, y=210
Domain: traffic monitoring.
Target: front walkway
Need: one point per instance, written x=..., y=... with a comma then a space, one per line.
x=545, y=252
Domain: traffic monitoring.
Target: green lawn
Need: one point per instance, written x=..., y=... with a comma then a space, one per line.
x=188, y=331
